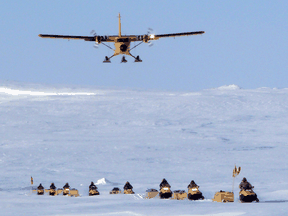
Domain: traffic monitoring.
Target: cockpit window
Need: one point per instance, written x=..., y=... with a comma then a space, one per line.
x=123, y=40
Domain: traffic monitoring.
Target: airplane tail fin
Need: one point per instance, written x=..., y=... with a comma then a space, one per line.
x=119, y=26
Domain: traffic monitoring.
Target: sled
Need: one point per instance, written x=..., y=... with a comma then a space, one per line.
x=223, y=196
x=151, y=193
x=179, y=195
x=115, y=190
x=73, y=193
x=59, y=191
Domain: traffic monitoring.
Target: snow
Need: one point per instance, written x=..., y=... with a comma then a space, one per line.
x=101, y=181
x=35, y=93
x=104, y=181
x=79, y=135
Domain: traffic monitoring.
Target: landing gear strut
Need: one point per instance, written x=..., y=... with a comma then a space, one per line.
x=137, y=59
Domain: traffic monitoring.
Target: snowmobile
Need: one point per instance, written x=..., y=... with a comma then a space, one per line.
x=115, y=190
x=165, y=192
x=195, y=194
x=93, y=190
x=128, y=188
x=193, y=191
x=52, y=190
x=40, y=190
x=179, y=195
x=66, y=189
x=248, y=195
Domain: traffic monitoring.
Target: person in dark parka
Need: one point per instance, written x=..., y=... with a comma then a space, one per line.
x=92, y=186
x=245, y=185
x=66, y=186
x=192, y=184
x=127, y=186
x=52, y=186
x=164, y=183
x=40, y=187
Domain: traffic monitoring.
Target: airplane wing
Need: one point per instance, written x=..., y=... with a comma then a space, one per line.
x=178, y=34
x=147, y=37
x=86, y=38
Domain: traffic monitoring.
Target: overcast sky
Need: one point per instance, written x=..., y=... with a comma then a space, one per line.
x=245, y=43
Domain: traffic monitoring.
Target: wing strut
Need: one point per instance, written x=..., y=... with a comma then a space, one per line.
x=107, y=46
x=136, y=45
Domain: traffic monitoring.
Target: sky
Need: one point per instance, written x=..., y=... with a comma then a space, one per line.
x=245, y=43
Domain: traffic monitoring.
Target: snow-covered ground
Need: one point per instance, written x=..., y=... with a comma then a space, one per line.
x=79, y=135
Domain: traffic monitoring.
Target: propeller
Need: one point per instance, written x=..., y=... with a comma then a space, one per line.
x=93, y=33
x=96, y=45
x=150, y=32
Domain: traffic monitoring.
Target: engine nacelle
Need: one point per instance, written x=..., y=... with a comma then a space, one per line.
x=146, y=38
x=98, y=39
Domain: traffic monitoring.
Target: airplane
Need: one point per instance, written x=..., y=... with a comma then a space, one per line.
x=121, y=42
